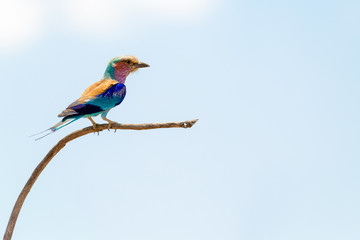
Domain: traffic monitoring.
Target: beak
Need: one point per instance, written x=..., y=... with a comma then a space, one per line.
x=141, y=65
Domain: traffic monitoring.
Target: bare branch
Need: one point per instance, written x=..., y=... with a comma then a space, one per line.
x=19, y=202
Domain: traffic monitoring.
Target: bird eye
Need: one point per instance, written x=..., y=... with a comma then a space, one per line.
x=128, y=61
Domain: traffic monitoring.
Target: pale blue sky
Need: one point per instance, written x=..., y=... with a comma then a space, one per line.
x=275, y=154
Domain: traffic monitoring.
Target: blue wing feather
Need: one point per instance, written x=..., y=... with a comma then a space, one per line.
x=110, y=98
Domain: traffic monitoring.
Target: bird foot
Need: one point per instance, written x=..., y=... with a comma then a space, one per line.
x=95, y=127
x=109, y=121
x=110, y=124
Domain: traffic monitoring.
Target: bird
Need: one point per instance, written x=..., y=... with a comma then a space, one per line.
x=100, y=97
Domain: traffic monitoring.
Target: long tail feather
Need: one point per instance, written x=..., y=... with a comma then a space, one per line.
x=39, y=133
x=54, y=128
x=45, y=134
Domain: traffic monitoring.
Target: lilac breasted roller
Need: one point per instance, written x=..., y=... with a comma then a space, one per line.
x=101, y=96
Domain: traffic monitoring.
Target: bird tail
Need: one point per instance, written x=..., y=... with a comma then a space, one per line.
x=54, y=128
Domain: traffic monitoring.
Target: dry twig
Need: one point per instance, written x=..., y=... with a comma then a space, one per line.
x=21, y=198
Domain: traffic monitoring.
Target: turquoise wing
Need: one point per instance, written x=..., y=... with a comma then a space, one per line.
x=106, y=100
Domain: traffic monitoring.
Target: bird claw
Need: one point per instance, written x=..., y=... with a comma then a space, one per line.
x=96, y=130
x=109, y=121
x=110, y=124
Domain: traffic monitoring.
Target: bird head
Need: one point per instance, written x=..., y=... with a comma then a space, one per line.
x=120, y=67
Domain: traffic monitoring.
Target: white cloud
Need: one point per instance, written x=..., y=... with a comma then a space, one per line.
x=94, y=15
x=101, y=16
x=24, y=21
x=181, y=9
x=20, y=23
